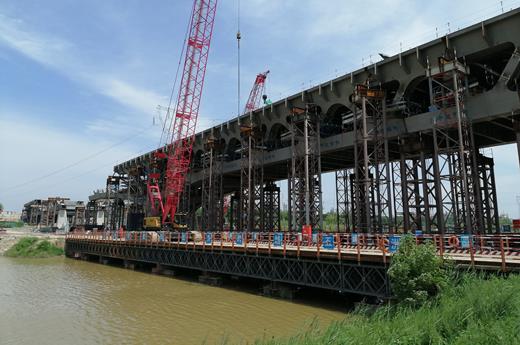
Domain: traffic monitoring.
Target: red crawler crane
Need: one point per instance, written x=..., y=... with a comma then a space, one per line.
x=256, y=91
x=180, y=149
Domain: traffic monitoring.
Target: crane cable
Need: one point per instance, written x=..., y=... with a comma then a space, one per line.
x=238, y=61
x=167, y=129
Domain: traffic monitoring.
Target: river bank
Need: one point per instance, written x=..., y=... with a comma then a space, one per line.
x=476, y=310
x=11, y=236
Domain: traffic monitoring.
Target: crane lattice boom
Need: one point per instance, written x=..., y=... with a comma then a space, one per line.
x=256, y=91
x=188, y=102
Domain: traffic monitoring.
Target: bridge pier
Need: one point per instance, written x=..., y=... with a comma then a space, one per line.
x=104, y=260
x=163, y=270
x=283, y=291
x=129, y=264
x=211, y=279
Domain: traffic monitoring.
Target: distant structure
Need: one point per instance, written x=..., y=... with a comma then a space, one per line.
x=57, y=213
x=9, y=216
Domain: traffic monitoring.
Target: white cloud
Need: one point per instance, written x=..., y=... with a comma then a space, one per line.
x=62, y=56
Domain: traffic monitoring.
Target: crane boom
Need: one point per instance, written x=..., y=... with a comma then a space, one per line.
x=256, y=91
x=188, y=102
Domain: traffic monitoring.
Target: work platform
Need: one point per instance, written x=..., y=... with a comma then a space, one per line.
x=354, y=263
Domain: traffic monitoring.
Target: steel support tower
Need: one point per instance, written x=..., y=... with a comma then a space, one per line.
x=271, y=207
x=371, y=192
x=305, y=180
x=343, y=209
x=251, y=177
x=212, y=196
x=115, y=208
x=454, y=147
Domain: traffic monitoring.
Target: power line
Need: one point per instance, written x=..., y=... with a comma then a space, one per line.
x=52, y=173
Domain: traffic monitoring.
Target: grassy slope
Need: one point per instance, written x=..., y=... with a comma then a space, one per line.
x=5, y=224
x=34, y=248
x=476, y=311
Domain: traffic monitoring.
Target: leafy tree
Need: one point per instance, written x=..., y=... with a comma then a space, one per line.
x=1, y=207
x=504, y=219
x=417, y=272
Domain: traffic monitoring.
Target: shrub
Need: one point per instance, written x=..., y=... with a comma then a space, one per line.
x=416, y=272
x=32, y=247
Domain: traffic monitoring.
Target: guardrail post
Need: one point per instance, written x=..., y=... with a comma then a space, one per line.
x=269, y=242
x=502, y=254
x=284, y=245
x=471, y=254
x=338, y=243
x=318, y=242
x=298, y=245
x=358, y=250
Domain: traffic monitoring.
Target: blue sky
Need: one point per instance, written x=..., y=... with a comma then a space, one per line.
x=78, y=77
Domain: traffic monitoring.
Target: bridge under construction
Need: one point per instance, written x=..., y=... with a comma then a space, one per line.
x=406, y=139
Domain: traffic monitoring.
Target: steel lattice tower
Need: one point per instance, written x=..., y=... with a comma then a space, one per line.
x=371, y=192
x=305, y=179
x=212, y=196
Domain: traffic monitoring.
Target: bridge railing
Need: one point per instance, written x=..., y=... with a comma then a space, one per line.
x=471, y=247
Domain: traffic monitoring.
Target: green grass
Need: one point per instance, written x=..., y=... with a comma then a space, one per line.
x=4, y=224
x=472, y=311
x=33, y=247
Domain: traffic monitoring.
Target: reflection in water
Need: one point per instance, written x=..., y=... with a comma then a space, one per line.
x=63, y=301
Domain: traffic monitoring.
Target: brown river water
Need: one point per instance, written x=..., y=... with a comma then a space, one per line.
x=64, y=301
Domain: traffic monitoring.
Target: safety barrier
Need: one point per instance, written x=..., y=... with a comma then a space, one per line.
x=500, y=249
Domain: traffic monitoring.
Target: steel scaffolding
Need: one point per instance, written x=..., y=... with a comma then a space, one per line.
x=305, y=180
x=271, y=207
x=212, y=196
x=343, y=211
x=251, y=177
x=371, y=190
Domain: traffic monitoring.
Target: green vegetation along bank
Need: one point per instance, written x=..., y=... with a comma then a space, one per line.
x=8, y=224
x=436, y=305
x=34, y=247
x=474, y=311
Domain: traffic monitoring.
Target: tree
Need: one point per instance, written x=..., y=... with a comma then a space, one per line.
x=416, y=272
x=1, y=207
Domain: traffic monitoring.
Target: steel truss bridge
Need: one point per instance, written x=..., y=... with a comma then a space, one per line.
x=406, y=138
x=354, y=263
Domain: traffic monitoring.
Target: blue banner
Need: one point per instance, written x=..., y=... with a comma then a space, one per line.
x=207, y=237
x=143, y=236
x=183, y=237
x=254, y=235
x=128, y=236
x=277, y=239
x=161, y=237
x=328, y=241
x=393, y=243
x=239, y=238
x=418, y=233
x=353, y=238
x=464, y=241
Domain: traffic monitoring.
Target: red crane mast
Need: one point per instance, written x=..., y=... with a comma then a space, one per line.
x=190, y=91
x=256, y=91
